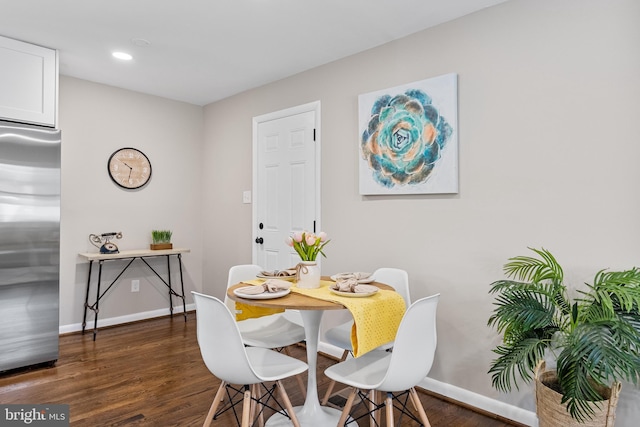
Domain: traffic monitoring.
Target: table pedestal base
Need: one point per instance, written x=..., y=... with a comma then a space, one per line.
x=312, y=414
x=321, y=416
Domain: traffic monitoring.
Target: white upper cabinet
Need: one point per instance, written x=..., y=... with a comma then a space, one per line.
x=28, y=82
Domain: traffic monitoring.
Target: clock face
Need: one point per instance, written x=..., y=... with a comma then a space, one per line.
x=129, y=168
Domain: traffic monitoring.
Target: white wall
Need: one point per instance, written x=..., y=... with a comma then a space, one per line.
x=95, y=121
x=548, y=99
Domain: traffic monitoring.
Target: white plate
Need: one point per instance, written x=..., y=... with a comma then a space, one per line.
x=355, y=294
x=365, y=280
x=287, y=278
x=264, y=295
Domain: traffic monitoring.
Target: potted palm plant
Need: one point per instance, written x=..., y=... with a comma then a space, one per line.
x=161, y=239
x=594, y=338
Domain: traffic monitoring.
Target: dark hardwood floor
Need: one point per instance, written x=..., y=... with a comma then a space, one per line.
x=151, y=373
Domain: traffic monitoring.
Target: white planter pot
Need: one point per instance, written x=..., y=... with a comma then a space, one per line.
x=308, y=275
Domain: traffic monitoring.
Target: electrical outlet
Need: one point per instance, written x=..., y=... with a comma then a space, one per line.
x=135, y=286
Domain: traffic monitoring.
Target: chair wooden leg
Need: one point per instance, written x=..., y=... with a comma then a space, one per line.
x=418, y=405
x=378, y=414
x=373, y=420
x=298, y=377
x=246, y=408
x=260, y=408
x=347, y=407
x=254, y=395
x=332, y=384
x=287, y=404
x=389, y=404
x=327, y=395
x=303, y=389
x=214, y=406
x=256, y=406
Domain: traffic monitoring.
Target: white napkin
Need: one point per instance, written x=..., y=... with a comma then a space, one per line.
x=271, y=285
x=279, y=273
x=358, y=275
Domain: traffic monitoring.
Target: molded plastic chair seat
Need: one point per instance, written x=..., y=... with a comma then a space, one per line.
x=273, y=331
x=226, y=357
x=370, y=368
x=399, y=370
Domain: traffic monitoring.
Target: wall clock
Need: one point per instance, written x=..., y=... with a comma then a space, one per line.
x=129, y=167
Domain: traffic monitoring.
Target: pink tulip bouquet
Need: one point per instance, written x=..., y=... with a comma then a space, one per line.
x=308, y=245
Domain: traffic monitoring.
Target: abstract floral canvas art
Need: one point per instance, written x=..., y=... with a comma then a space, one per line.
x=408, y=142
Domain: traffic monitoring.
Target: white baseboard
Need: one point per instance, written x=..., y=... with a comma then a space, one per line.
x=461, y=395
x=481, y=402
x=77, y=327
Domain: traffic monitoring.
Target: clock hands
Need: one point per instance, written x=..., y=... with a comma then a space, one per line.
x=130, y=169
x=125, y=163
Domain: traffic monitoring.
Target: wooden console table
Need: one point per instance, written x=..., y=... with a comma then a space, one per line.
x=141, y=254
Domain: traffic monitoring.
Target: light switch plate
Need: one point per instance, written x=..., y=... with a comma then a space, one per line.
x=246, y=196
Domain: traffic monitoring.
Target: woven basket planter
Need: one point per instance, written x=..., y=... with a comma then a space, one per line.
x=552, y=413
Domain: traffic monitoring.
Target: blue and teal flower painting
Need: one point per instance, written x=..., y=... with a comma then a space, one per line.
x=404, y=138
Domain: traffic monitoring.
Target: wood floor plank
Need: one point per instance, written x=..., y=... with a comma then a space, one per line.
x=151, y=373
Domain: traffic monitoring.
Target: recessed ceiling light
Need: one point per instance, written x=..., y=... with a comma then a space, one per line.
x=122, y=55
x=140, y=42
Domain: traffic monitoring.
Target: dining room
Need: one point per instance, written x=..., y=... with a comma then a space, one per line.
x=566, y=69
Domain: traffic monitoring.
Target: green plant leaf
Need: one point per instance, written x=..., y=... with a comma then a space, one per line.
x=520, y=357
x=533, y=269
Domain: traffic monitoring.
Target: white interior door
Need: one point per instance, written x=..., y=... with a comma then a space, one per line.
x=286, y=182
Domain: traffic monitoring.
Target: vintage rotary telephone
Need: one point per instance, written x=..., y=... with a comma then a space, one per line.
x=103, y=242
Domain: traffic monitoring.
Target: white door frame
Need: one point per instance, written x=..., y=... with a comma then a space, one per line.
x=312, y=106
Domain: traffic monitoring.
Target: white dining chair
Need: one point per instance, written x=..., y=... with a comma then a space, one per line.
x=226, y=357
x=275, y=331
x=397, y=372
x=340, y=336
x=272, y=331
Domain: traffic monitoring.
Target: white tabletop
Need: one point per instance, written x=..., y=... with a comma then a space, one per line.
x=93, y=256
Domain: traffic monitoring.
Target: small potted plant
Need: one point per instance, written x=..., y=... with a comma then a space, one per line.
x=593, y=338
x=161, y=239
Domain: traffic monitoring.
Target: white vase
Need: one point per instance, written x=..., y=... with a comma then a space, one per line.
x=308, y=275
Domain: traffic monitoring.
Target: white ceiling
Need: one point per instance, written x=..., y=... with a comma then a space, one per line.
x=202, y=51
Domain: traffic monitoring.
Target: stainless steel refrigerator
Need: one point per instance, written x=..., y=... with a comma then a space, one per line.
x=29, y=244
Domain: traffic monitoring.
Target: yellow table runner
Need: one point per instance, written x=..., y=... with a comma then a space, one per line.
x=376, y=318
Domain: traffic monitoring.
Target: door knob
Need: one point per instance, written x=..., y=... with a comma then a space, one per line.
x=259, y=240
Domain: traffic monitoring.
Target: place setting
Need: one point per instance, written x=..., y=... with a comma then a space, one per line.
x=355, y=285
x=288, y=274
x=271, y=288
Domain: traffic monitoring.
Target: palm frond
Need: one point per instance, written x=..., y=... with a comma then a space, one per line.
x=623, y=285
x=578, y=393
x=533, y=269
x=630, y=317
x=526, y=308
x=519, y=358
x=596, y=355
